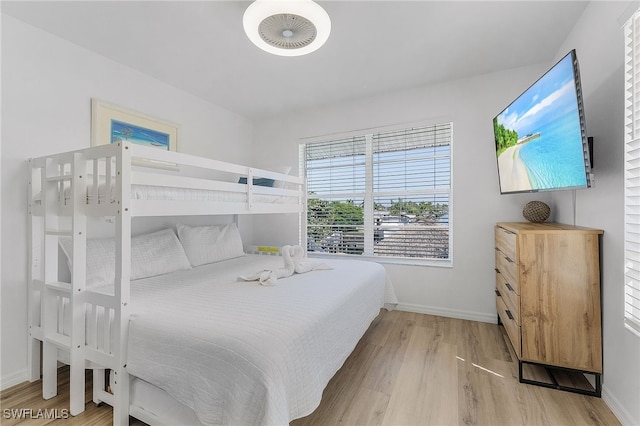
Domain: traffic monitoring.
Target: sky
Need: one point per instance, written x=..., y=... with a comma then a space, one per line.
x=551, y=96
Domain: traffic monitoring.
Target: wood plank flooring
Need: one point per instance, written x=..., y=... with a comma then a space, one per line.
x=408, y=369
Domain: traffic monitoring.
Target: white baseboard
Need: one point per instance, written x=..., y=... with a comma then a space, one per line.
x=13, y=379
x=618, y=410
x=450, y=313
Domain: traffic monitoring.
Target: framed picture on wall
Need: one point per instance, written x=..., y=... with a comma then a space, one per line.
x=111, y=123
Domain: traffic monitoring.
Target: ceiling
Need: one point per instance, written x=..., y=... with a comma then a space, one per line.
x=374, y=46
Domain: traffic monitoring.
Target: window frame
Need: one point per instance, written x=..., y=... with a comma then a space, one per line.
x=370, y=194
x=631, y=212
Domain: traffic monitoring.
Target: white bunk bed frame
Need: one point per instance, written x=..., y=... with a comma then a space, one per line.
x=59, y=204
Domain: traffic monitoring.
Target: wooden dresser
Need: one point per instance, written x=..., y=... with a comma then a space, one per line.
x=548, y=297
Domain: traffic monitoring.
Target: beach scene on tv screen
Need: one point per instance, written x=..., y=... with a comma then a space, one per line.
x=538, y=137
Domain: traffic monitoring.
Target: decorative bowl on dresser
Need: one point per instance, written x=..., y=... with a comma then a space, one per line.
x=548, y=298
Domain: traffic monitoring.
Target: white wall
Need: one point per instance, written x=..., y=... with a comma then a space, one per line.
x=466, y=290
x=601, y=56
x=47, y=86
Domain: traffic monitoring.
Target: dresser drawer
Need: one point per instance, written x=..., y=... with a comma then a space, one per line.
x=510, y=325
x=509, y=270
x=509, y=296
x=506, y=242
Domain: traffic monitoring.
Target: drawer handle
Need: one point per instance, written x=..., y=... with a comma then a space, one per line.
x=508, y=312
x=497, y=270
x=498, y=293
x=509, y=286
x=508, y=259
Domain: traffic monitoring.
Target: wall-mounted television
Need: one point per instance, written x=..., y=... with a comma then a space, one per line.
x=540, y=138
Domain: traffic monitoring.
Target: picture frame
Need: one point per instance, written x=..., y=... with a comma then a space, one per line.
x=112, y=123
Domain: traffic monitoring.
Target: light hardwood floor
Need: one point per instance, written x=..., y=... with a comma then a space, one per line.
x=408, y=369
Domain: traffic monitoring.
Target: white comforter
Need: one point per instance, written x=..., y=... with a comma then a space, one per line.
x=241, y=353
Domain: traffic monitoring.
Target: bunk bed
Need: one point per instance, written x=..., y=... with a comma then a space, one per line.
x=182, y=337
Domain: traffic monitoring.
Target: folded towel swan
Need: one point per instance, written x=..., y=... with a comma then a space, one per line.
x=294, y=262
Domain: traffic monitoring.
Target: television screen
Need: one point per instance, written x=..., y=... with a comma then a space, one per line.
x=540, y=138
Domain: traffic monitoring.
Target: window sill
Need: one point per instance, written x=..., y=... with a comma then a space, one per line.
x=386, y=260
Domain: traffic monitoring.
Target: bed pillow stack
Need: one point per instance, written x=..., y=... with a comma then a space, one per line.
x=151, y=254
x=209, y=244
x=156, y=254
x=101, y=260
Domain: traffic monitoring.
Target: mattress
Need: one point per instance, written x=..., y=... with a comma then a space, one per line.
x=152, y=192
x=237, y=352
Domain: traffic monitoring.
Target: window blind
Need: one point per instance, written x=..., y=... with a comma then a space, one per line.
x=381, y=194
x=632, y=174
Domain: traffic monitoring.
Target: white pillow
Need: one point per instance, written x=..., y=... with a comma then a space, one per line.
x=156, y=254
x=208, y=244
x=101, y=260
x=151, y=254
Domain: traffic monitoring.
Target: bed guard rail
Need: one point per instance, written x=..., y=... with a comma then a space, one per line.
x=154, y=179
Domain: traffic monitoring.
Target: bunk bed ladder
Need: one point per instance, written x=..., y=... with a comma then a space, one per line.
x=34, y=273
x=122, y=286
x=56, y=297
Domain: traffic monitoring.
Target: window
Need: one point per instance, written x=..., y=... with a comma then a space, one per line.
x=384, y=194
x=632, y=174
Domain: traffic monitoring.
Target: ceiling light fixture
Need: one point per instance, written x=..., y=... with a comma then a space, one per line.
x=287, y=27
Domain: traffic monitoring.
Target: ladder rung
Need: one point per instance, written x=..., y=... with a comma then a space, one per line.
x=59, y=286
x=106, y=397
x=59, y=233
x=59, y=340
x=59, y=178
x=100, y=358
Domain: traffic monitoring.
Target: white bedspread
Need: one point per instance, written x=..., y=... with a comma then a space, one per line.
x=240, y=353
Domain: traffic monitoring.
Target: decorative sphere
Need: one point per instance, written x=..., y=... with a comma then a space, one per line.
x=536, y=211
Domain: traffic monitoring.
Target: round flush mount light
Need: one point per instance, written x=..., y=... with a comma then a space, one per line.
x=287, y=27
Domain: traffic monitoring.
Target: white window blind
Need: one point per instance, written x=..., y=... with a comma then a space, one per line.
x=632, y=174
x=381, y=194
